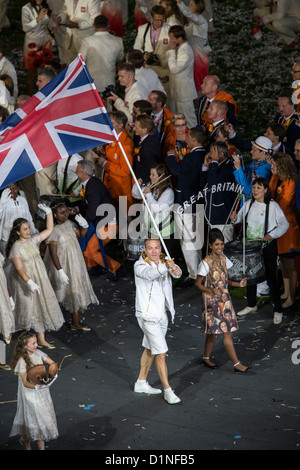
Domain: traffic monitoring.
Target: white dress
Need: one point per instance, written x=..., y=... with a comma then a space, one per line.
x=79, y=293
x=7, y=320
x=37, y=311
x=35, y=417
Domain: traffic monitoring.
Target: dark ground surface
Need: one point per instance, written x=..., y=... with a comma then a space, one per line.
x=97, y=408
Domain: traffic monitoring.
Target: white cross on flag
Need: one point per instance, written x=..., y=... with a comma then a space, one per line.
x=67, y=116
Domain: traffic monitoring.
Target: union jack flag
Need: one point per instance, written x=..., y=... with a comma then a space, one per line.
x=67, y=116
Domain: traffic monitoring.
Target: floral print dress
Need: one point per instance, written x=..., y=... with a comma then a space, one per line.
x=218, y=315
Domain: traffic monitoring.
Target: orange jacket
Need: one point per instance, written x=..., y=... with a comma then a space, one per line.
x=285, y=196
x=223, y=96
x=117, y=176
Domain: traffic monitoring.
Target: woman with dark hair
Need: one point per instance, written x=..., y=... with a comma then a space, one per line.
x=37, y=42
x=213, y=322
x=283, y=189
x=173, y=14
x=265, y=221
x=36, y=306
x=160, y=198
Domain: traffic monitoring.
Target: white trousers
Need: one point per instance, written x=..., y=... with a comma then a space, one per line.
x=189, y=228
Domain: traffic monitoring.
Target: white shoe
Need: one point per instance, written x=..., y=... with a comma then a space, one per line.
x=170, y=397
x=277, y=318
x=144, y=387
x=246, y=310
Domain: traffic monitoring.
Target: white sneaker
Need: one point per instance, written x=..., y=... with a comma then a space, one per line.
x=246, y=310
x=277, y=318
x=170, y=397
x=144, y=387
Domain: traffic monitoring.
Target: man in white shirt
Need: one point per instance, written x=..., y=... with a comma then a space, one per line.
x=78, y=16
x=154, y=298
x=134, y=91
x=101, y=52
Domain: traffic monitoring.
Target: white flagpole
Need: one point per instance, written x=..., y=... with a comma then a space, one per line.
x=143, y=197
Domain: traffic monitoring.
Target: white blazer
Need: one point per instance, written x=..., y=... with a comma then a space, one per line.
x=154, y=293
x=145, y=45
x=101, y=51
x=135, y=93
x=149, y=79
x=181, y=77
x=35, y=32
x=84, y=14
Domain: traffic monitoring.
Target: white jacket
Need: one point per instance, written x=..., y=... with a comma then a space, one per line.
x=84, y=14
x=284, y=8
x=6, y=67
x=35, y=32
x=181, y=65
x=154, y=293
x=101, y=51
x=135, y=93
x=161, y=47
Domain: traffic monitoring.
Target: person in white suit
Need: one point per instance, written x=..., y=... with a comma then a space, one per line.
x=134, y=91
x=154, y=297
x=59, y=32
x=78, y=17
x=284, y=21
x=153, y=38
x=101, y=52
x=182, y=86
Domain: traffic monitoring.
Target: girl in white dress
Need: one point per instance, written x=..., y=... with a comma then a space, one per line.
x=35, y=418
x=66, y=267
x=36, y=306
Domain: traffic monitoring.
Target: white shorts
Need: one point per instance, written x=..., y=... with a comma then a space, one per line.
x=155, y=334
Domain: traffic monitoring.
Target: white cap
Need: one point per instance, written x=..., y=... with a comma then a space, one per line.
x=263, y=143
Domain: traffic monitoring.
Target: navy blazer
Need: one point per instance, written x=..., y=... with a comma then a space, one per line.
x=149, y=156
x=96, y=194
x=188, y=172
x=292, y=131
